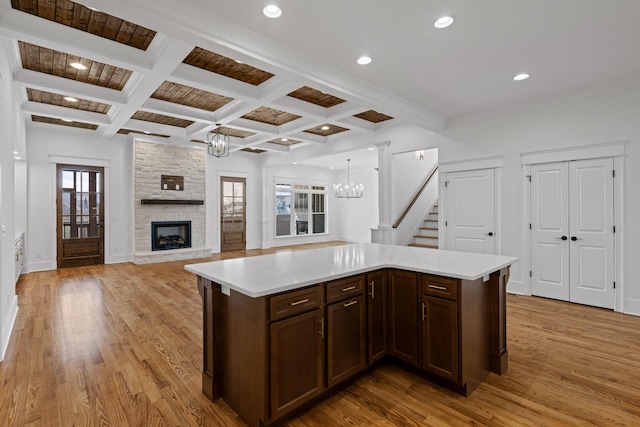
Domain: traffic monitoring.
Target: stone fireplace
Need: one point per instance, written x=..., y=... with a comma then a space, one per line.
x=162, y=212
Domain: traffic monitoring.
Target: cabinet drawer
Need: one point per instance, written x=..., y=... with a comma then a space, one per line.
x=291, y=303
x=345, y=288
x=440, y=287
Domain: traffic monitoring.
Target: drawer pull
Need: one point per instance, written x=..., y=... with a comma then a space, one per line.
x=350, y=288
x=440, y=288
x=347, y=304
x=424, y=314
x=373, y=289
x=302, y=301
x=321, y=331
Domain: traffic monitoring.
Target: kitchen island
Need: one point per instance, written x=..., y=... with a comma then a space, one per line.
x=281, y=330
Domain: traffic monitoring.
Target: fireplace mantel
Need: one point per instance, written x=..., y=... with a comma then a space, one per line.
x=171, y=202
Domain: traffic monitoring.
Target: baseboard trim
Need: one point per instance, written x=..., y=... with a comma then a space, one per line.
x=8, y=328
x=631, y=306
x=117, y=259
x=39, y=266
x=514, y=287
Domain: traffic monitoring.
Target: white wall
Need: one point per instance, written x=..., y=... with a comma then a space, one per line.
x=20, y=196
x=596, y=120
x=11, y=137
x=45, y=145
x=408, y=173
x=356, y=217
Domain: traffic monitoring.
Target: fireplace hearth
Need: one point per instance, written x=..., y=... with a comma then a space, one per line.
x=167, y=235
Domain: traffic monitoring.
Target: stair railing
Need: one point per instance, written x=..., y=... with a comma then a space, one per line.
x=415, y=198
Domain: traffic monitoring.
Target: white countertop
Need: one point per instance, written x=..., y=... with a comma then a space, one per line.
x=284, y=271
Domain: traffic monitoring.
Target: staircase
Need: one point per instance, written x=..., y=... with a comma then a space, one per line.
x=427, y=236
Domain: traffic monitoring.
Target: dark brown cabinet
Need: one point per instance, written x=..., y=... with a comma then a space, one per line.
x=440, y=337
x=296, y=348
x=377, y=324
x=346, y=339
x=403, y=315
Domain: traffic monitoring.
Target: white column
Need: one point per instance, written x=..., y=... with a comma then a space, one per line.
x=383, y=233
x=264, y=222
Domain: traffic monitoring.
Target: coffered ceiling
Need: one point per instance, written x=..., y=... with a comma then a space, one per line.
x=171, y=70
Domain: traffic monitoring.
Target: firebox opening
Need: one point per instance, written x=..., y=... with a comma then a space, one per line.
x=168, y=235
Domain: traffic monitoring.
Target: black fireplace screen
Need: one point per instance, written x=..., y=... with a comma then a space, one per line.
x=167, y=235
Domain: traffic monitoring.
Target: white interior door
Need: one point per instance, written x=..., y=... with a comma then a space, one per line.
x=470, y=211
x=592, y=238
x=572, y=231
x=550, y=231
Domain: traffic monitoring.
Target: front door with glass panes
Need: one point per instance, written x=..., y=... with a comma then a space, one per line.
x=80, y=215
x=300, y=209
x=232, y=214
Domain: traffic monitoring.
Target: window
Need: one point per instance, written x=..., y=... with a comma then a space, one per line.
x=300, y=209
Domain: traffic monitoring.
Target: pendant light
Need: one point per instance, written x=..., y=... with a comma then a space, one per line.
x=350, y=190
x=218, y=143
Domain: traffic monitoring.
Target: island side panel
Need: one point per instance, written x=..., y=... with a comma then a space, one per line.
x=246, y=368
x=498, y=315
x=234, y=351
x=475, y=332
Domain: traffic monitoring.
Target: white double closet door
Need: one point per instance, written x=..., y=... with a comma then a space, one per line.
x=572, y=233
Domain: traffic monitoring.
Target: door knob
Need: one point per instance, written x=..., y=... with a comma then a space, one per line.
x=489, y=234
x=562, y=238
x=574, y=238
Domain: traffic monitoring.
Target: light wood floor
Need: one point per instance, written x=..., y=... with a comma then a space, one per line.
x=121, y=345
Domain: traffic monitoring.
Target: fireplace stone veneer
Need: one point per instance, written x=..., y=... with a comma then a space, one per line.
x=151, y=161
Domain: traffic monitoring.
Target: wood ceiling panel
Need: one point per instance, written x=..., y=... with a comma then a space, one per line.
x=332, y=130
x=235, y=132
x=270, y=116
x=128, y=131
x=161, y=119
x=82, y=18
x=189, y=96
x=60, y=122
x=43, y=60
x=49, y=98
x=316, y=97
x=253, y=150
x=219, y=64
x=287, y=142
x=373, y=116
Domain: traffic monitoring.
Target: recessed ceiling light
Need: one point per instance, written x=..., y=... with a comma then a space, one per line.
x=364, y=60
x=294, y=163
x=146, y=132
x=70, y=99
x=370, y=149
x=443, y=22
x=272, y=11
x=67, y=120
x=325, y=127
x=78, y=66
x=521, y=76
x=18, y=158
x=331, y=167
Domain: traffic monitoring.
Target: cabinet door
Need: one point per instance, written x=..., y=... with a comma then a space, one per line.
x=346, y=339
x=440, y=337
x=377, y=315
x=296, y=361
x=403, y=315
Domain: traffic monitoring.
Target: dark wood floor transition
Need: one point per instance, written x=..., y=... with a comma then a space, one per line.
x=120, y=345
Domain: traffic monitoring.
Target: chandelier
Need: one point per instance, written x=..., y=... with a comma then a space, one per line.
x=218, y=144
x=350, y=190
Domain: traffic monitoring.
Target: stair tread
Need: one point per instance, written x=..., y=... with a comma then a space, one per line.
x=431, y=220
x=425, y=237
x=427, y=228
x=423, y=246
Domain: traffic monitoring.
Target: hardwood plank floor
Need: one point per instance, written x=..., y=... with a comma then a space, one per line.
x=121, y=345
